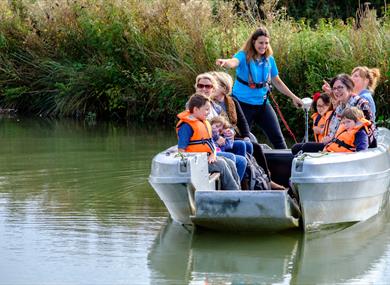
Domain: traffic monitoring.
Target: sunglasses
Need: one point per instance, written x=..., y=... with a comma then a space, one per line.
x=338, y=88
x=206, y=86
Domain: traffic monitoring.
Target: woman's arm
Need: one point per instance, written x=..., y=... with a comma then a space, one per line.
x=279, y=84
x=229, y=62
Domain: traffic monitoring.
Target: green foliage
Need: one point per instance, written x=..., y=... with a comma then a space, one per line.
x=138, y=59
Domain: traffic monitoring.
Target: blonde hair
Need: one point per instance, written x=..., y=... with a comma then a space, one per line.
x=249, y=47
x=208, y=76
x=352, y=113
x=224, y=80
x=220, y=119
x=372, y=74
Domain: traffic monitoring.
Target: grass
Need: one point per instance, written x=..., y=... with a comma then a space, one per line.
x=133, y=59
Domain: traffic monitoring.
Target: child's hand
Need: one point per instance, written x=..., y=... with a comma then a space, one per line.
x=318, y=130
x=326, y=87
x=326, y=139
x=221, y=141
x=212, y=158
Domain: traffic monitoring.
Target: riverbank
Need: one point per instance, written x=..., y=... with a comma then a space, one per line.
x=138, y=60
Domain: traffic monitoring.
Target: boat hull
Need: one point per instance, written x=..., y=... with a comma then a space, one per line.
x=267, y=210
x=342, y=188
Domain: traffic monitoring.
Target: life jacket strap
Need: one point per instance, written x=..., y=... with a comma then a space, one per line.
x=343, y=144
x=209, y=142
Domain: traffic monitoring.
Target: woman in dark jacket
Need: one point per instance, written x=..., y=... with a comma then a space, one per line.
x=233, y=112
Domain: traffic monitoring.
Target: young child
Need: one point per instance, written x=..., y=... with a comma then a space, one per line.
x=352, y=135
x=219, y=126
x=322, y=107
x=194, y=135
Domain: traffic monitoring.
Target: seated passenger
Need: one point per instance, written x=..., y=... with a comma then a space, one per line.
x=219, y=126
x=322, y=108
x=194, y=135
x=352, y=134
x=365, y=80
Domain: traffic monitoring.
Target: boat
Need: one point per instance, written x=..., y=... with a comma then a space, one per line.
x=337, y=188
x=326, y=190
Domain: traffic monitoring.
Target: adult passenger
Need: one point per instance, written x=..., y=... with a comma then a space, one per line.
x=206, y=85
x=365, y=80
x=231, y=109
x=342, y=88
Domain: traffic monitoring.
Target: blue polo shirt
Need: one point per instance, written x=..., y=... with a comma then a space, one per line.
x=259, y=71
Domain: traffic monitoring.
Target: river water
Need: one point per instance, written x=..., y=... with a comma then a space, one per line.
x=76, y=208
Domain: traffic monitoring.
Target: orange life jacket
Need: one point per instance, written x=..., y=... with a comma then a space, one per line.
x=344, y=140
x=320, y=121
x=201, y=140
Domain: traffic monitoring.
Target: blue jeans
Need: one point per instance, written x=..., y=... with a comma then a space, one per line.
x=241, y=147
x=239, y=160
x=266, y=118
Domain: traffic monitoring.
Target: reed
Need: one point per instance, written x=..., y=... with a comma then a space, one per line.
x=138, y=59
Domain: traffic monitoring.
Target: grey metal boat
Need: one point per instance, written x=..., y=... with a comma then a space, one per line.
x=332, y=189
x=337, y=188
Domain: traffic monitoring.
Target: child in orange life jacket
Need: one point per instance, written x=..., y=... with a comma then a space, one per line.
x=219, y=126
x=194, y=135
x=322, y=107
x=352, y=135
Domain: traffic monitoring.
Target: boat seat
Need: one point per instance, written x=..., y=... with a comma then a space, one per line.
x=214, y=181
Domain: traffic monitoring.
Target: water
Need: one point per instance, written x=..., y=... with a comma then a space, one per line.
x=76, y=208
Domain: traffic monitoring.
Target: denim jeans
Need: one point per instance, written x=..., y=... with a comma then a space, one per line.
x=266, y=118
x=239, y=160
x=241, y=147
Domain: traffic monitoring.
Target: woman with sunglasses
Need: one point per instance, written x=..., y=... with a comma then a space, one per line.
x=218, y=87
x=206, y=85
x=341, y=88
x=255, y=71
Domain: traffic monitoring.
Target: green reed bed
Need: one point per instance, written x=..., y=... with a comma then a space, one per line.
x=132, y=59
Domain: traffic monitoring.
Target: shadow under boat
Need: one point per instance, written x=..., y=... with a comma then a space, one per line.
x=179, y=255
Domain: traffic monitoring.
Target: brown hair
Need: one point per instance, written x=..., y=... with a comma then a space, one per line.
x=372, y=74
x=352, y=113
x=249, y=47
x=345, y=79
x=325, y=98
x=220, y=119
x=197, y=100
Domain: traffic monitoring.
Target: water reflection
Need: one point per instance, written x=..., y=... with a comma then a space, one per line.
x=352, y=255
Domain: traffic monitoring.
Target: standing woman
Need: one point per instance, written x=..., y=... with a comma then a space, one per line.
x=365, y=80
x=255, y=70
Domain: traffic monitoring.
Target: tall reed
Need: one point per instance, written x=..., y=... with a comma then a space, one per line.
x=138, y=59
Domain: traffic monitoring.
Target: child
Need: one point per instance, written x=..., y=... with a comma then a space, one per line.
x=219, y=125
x=322, y=107
x=194, y=135
x=352, y=135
